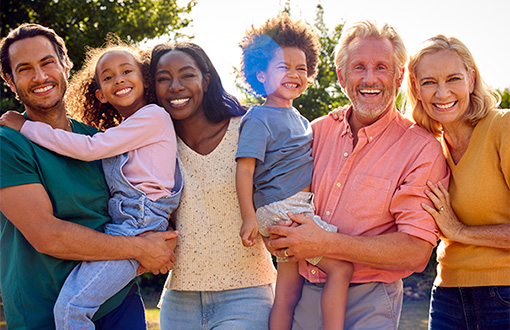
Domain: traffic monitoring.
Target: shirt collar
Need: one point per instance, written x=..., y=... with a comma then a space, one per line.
x=374, y=130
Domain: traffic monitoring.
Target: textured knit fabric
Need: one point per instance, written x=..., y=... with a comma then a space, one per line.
x=480, y=195
x=30, y=281
x=281, y=141
x=210, y=254
x=376, y=187
x=148, y=135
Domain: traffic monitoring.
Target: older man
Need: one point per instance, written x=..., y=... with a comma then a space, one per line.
x=53, y=208
x=369, y=178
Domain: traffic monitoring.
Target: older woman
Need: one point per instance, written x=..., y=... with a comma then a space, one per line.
x=216, y=282
x=447, y=96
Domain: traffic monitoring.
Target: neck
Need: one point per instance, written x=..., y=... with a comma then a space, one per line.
x=457, y=138
x=358, y=121
x=56, y=117
x=201, y=135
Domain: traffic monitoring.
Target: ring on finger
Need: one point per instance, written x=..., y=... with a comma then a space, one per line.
x=441, y=209
x=285, y=253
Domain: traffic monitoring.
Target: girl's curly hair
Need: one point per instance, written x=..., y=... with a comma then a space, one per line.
x=81, y=101
x=260, y=44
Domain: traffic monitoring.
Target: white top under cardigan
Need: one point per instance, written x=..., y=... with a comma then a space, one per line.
x=210, y=254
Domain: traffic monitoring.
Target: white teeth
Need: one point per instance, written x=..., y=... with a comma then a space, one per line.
x=370, y=91
x=290, y=85
x=43, y=89
x=445, y=106
x=123, y=91
x=179, y=101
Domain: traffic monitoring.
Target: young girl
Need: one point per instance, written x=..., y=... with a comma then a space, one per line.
x=139, y=160
x=274, y=156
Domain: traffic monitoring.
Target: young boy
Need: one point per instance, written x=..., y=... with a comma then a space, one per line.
x=274, y=158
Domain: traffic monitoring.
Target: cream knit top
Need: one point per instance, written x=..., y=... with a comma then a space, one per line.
x=210, y=254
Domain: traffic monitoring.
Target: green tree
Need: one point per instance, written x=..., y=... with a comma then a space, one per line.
x=505, y=98
x=85, y=23
x=325, y=94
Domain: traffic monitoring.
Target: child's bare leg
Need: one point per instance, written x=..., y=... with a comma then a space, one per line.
x=288, y=291
x=334, y=294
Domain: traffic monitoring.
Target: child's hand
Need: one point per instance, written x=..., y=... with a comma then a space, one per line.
x=13, y=120
x=339, y=113
x=249, y=232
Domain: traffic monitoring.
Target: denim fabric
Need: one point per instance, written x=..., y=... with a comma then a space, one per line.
x=372, y=305
x=129, y=315
x=302, y=202
x=91, y=283
x=237, y=309
x=482, y=307
x=131, y=211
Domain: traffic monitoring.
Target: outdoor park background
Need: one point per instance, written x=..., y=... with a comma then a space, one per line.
x=218, y=26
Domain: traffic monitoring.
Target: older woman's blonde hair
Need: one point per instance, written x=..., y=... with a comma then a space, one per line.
x=366, y=29
x=482, y=99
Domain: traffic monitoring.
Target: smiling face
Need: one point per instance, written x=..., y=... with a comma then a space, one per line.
x=369, y=77
x=38, y=77
x=180, y=85
x=444, y=86
x=285, y=77
x=121, y=80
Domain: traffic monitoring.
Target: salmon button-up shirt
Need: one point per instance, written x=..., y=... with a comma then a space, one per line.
x=376, y=187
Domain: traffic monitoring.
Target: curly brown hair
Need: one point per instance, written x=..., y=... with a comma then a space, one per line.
x=81, y=101
x=260, y=44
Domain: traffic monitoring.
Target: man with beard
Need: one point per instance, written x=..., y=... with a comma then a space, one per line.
x=53, y=208
x=369, y=180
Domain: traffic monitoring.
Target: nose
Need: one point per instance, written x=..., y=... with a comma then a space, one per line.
x=175, y=85
x=40, y=75
x=442, y=91
x=119, y=80
x=369, y=77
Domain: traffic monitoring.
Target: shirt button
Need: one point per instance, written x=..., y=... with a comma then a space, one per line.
x=338, y=184
x=371, y=138
x=346, y=154
x=327, y=213
x=313, y=271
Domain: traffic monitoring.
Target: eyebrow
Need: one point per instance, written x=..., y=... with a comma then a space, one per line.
x=187, y=67
x=122, y=64
x=448, y=76
x=28, y=63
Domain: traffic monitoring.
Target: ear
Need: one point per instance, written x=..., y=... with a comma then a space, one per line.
x=341, y=80
x=416, y=88
x=472, y=81
x=207, y=79
x=12, y=86
x=100, y=96
x=401, y=78
x=261, y=77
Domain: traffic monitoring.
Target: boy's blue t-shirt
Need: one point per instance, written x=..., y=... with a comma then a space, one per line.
x=280, y=139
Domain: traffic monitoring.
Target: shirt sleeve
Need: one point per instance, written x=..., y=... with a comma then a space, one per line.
x=253, y=138
x=17, y=166
x=134, y=132
x=504, y=146
x=410, y=216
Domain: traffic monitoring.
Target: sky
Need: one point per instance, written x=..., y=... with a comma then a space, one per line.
x=483, y=25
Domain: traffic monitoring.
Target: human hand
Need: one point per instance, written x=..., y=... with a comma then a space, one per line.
x=339, y=113
x=12, y=119
x=249, y=232
x=298, y=239
x=155, y=251
x=446, y=219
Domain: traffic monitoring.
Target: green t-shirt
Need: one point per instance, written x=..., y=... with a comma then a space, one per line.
x=30, y=281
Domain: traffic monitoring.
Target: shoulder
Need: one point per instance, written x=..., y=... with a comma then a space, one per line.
x=496, y=125
x=325, y=124
x=81, y=128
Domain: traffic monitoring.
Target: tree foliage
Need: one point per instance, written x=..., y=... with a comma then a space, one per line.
x=83, y=23
x=325, y=94
x=505, y=98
